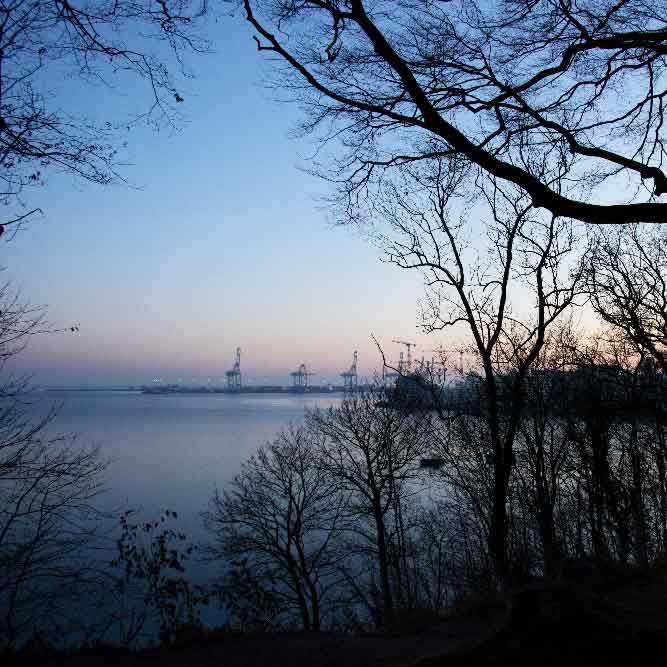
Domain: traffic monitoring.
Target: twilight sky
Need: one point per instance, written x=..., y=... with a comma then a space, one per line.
x=223, y=243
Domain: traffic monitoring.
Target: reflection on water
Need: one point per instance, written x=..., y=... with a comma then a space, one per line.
x=170, y=451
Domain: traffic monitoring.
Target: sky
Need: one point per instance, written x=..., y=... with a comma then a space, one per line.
x=221, y=241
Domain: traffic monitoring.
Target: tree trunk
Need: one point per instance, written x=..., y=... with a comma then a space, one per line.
x=599, y=487
x=296, y=582
x=662, y=483
x=498, y=536
x=388, y=610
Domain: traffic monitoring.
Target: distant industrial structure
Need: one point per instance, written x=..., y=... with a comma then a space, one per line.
x=350, y=379
x=392, y=374
x=300, y=382
x=234, y=380
x=426, y=383
x=405, y=366
x=301, y=377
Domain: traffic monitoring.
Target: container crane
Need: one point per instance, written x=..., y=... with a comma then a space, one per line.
x=350, y=379
x=234, y=375
x=300, y=377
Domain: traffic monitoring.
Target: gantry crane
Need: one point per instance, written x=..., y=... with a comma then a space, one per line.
x=300, y=377
x=234, y=375
x=350, y=376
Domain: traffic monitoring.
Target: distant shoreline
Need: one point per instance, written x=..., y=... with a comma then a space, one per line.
x=202, y=390
x=135, y=388
x=257, y=389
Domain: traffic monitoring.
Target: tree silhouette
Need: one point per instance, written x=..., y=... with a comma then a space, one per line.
x=525, y=92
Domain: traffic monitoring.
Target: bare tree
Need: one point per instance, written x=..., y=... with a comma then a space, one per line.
x=527, y=257
x=99, y=42
x=48, y=519
x=371, y=449
x=280, y=516
x=626, y=274
x=525, y=92
x=614, y=420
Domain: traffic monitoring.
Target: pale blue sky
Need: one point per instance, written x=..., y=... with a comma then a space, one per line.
x=224, y=244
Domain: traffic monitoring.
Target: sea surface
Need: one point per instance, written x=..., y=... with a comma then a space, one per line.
x=171, y=451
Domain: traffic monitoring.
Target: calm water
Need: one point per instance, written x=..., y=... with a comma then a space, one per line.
x=171, y=451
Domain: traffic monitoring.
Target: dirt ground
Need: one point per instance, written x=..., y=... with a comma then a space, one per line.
x=291, y=650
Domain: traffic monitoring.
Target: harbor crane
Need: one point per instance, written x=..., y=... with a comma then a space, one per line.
x=300, y=377
x=408, y=362
x=350, y=376
x=234, y=375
